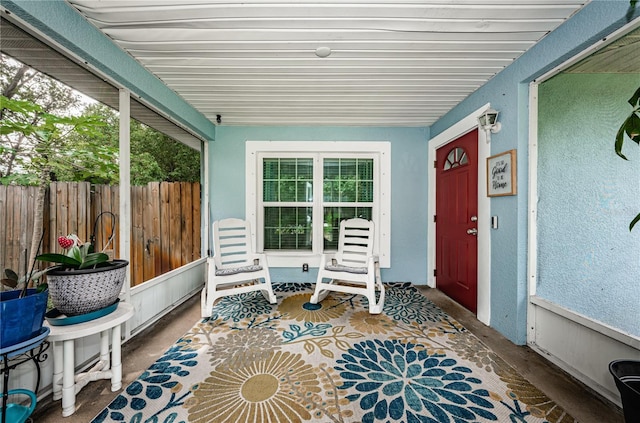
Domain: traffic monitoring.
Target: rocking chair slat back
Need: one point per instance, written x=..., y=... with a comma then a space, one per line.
x=232, y=237
x=355, y=244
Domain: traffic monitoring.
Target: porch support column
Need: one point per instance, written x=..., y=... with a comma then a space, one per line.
x=125, y=192
x=205, y=207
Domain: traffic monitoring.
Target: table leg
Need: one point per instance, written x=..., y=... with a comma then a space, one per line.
x=104, y=349
x=57, y=370
x=68, y=379
x=116, y=359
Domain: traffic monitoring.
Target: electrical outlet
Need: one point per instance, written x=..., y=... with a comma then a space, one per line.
x=305, y=267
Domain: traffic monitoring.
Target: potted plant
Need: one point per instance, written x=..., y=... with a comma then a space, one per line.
x=22, y=308
x=83, y=281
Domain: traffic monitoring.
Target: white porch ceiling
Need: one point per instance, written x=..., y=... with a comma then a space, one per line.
x=403, y=63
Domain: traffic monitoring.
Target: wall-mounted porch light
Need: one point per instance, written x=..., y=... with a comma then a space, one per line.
x=489, y=122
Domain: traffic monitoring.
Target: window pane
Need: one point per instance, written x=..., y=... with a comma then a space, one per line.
x=270, y=169
x=287, y=180
x=270, y=190
x=365, y=191
x=456, y=157
x=305, y=169
x=287, y=190
x=365, y=179
x=287, y=228
x=331, y=169
x=287, y=168
x=347, y=169
x=330, y=191
x=305, y=191
x=365, y=170
x=288, y=218
x=332, y=218
x=271, y=217
x=348, y=191
x=304, y=176
x=345, y=178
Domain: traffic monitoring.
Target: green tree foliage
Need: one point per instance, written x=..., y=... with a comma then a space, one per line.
x=78, y=155
x=90, y=157
x=154, y=156
x=19, y=82
x=161, y=157
x=42, y=137
x=49, y=134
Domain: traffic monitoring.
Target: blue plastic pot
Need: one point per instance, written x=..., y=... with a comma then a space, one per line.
x=21, y=318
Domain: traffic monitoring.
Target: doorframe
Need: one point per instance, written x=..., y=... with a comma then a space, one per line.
x=466, y=124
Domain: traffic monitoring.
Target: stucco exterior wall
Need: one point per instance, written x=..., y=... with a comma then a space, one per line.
x=588, y=260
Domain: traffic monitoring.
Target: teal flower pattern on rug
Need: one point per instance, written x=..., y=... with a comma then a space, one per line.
x=395, y=382
x=330, y=362
x=409, y=305
x=241, y=306
x=160, y=381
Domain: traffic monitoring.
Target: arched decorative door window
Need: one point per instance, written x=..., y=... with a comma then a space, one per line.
x=456, y=157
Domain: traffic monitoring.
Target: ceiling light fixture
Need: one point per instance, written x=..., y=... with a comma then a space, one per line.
x=323, y=52
x=489, y=122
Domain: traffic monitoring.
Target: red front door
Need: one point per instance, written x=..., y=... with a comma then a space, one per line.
x=456, y=220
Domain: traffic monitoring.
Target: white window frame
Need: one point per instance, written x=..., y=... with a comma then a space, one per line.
x=380, y=151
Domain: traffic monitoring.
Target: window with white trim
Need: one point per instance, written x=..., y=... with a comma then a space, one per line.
x=297, y=194
x=287, y=203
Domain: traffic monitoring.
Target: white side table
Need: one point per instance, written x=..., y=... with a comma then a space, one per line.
x=66, y=384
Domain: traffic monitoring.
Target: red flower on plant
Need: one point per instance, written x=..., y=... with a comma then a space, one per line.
x=68, y=241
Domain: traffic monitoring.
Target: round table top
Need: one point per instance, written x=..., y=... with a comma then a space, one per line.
x=120, y=315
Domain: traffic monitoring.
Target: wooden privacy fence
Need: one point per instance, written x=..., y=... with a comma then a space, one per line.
x=165, y=223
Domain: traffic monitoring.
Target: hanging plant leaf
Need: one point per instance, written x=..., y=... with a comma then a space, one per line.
x=11, y=283
x=620, y=142
x=632, y=127
x=635, y=98
x=634, y=221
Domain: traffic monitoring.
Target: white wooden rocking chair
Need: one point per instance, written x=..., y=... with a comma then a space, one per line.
x=354, y=268
x=234, y=267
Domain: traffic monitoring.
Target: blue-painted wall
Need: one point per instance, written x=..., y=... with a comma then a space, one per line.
x=588, y=261
x=408, y=187
x=508, y=92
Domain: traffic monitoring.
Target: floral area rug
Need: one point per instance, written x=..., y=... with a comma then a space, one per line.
x=332, y=362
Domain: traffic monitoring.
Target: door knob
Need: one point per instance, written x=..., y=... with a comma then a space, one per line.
x=472, y=231
x=474, y=218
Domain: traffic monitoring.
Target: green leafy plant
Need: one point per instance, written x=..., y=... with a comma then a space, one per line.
x=49, y=135
x=630, y=128
x=78, y=255
x=13, y=281
x=31, y=277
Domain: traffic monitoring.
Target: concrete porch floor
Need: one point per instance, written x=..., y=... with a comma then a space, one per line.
x=140, y=352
